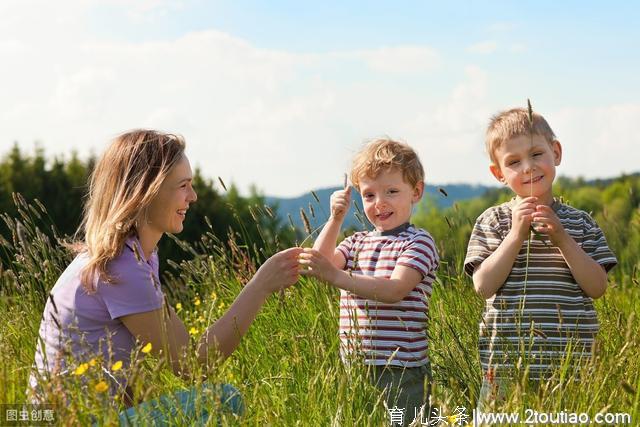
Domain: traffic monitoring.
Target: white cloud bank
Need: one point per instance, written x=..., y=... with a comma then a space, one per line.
x=286, y=122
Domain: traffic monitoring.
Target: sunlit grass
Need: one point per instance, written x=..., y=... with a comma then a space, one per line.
x=287, y=367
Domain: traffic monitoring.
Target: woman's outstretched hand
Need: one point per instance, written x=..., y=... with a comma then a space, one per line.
x=280, y=271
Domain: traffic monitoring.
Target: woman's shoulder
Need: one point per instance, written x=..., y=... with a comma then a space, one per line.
x=131, y=259
x=71, y=275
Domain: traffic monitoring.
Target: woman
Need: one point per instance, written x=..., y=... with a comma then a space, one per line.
x=108, y=301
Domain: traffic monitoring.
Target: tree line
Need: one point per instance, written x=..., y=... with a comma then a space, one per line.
x=60, y=185
x=247, y=224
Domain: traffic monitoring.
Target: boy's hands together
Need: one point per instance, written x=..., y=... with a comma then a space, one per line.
x=340, y=201
x=547, y=222
x=521, y=217
x=317, y=265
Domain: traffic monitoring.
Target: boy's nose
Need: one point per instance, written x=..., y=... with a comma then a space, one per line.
x=528, y=166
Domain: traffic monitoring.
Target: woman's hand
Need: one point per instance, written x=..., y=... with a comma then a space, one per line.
x=317, y=265
x=280, y=271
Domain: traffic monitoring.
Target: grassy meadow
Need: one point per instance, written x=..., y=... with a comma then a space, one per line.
x=288, y=367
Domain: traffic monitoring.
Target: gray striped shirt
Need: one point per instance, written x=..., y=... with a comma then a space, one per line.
x=546, y=317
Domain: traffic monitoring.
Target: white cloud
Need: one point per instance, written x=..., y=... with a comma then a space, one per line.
x=483, y=48
x=250, y=115
x=598, y=142
x=449, y=136
x=401, y=59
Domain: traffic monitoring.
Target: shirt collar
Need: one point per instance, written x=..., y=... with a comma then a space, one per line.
x=393, y=232
x=134, y=244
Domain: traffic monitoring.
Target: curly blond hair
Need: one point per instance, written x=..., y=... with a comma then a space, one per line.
x=384, y=154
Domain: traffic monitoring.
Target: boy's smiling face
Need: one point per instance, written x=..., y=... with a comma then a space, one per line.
x=528, y=168
x=388, y=199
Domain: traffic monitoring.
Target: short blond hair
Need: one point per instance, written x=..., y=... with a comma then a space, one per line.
x=512, y=124
x=384, y=154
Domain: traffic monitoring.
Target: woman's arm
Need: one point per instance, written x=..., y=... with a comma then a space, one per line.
x=168, y=335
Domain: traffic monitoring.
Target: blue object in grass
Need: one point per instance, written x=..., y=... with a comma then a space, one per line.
x=190, y=407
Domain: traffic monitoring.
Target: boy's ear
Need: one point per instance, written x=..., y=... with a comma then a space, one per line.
x=495, y=171
x=418, y=191
x=557, y=152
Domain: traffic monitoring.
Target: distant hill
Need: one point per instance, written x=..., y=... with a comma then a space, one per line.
x=433, y=195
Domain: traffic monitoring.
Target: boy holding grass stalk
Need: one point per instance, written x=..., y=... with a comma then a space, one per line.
x=538, y=262
x=385, y=275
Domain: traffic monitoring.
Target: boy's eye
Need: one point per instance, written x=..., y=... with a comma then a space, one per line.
x=512, y=162
x=393, y=191
x=368, y=196
x=537, y=154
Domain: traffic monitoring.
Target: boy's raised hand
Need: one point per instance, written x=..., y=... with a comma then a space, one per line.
x=547, y=222
x=521, y=217
x=340, y=201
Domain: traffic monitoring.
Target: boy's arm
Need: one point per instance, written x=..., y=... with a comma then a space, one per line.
x=326, y=241
x=589, y=275
x=491, y=274
x=403, y=279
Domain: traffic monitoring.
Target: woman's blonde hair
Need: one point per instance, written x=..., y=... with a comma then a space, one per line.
x=122, y=185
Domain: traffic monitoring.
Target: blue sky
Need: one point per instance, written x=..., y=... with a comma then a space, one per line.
x=281, y=94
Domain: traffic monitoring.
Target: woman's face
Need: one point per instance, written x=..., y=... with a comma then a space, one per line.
x=169, y=208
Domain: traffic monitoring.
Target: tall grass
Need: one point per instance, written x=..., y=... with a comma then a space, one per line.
x=287, y=367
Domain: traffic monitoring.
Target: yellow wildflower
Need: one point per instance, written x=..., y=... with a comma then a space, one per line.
x=117, y=366
x=147, y=348
x=201, y=319
x=193, y=331
x=101, y=387
x=81, y=369
x=196, y=302
x=178, y=307
x=92, y=362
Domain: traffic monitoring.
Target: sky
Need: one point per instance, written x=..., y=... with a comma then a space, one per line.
x=280, y=94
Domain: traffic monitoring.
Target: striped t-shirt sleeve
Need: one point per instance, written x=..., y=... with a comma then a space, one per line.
x=484, y=240
x=345, y=248
x=595, y=244
x=420, y=254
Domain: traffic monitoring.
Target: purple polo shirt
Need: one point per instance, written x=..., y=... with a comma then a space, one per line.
x=87, y=322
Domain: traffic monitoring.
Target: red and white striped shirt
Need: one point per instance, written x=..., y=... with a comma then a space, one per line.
x=380, y=333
